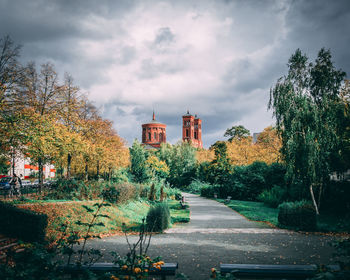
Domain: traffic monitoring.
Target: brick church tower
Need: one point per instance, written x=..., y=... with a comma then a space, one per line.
x=153, y=133
x=192, y=130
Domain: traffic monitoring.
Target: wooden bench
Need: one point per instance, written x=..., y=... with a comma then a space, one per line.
x=168, y=269
x=273, y=271
x=228, y=199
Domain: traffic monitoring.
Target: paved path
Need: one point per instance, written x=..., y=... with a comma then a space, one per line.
x=218, y=234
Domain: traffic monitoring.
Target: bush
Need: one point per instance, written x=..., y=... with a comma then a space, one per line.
x=196, y=186
x=209, y=190
x=158, y=218
x=336, y=198
x=121, y=175
x=127, y=192
x=273, y=197
x=110, y=194
x=70, y=189
x=21, y=223
x=298, y=215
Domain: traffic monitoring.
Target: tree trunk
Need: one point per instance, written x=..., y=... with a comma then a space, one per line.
x=86, y=171
x=109, y=173
x=98, y=170
x=313, y=200
x=13, y=161
x=320, y=196
x=69, y=160
x=40, y=167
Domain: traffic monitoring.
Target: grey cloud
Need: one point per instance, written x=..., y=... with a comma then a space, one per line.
x=54, y=31
x=150, y=69
x=164, y=37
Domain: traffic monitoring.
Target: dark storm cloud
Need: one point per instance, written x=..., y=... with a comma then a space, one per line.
x=216, y=58
x=317, y=24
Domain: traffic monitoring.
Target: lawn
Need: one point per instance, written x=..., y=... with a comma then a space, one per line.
x=178, y=215
x=120, y=217
x=257, y=211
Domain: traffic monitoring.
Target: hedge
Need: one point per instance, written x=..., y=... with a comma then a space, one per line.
x=298, y=215
x=22, y=224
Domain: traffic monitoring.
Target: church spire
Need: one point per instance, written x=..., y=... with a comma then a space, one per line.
x=154, y=116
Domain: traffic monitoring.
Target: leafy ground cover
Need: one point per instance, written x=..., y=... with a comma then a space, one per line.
x=257, y=211
x=120, y=217
x=178, y=215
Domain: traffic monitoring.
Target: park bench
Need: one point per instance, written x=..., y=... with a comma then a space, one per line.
x=183, y=203
x=273, y=271
x=228, y=199
x=168, y=269
x=7, y=244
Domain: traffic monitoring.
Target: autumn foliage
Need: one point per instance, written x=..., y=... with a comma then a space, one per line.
x=51, y=121
x=266, y=149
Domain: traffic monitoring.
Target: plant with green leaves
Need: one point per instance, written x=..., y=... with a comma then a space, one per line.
x=181, y=160
x=307, y=105
x=236, y=132
x=158, y=217
x=138, y=167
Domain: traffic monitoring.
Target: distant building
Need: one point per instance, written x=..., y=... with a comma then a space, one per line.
x=255, y=136
x=192, y=130
x=24, y=169
x=153, y=133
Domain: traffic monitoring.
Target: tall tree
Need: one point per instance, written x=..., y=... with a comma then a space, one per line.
x=40, y=92
x=138, y=166
x=10, y=69
x=237, y=132
x=305, y=104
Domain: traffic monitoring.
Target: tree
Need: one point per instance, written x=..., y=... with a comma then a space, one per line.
x=305, y=104
x=204, y=155
x=181, y=160
x=158, y=168
x=237, y=132
x=220, y=167
x=138, y=166
x=10, y=69
x=268, y=145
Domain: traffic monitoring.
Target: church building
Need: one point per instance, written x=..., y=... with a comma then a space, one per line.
x=153, y=133
x=192, y=130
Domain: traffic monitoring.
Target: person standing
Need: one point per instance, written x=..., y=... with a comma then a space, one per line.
x=15, y=185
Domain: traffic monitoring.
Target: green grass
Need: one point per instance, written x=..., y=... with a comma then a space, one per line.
x=255, y=211
x=178, y=215
x=333, y=223
x=127, y=216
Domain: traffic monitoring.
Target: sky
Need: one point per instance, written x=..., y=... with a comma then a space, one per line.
x=217, y=59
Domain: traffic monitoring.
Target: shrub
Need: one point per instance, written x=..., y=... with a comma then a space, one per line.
x=121, y=175
x=336, y=198
x=110, y=194
x=158, y=217
x=127, y=192
x=152, y=193
x=21, y=223
x=209, y=190
x=298, y=215
x=196, y=186
x=274, y=196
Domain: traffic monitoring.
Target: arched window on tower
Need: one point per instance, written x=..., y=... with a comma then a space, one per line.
x=186, y=132
x=160, y=137
x=149, y=136
x=195, y=135
x=155, y=136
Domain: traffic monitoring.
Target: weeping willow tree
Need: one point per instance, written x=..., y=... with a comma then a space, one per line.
x=307, y=106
